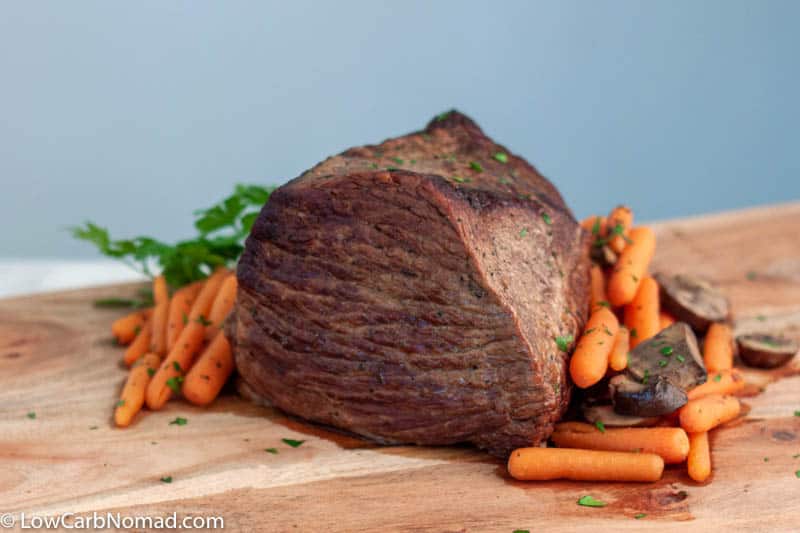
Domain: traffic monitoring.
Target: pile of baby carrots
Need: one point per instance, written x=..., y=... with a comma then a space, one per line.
x=177, y=346
x=624, y=311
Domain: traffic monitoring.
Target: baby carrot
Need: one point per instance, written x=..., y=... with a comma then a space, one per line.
x=641, y=315
x=178, y=313
x=718, y=348
x=708, y=412
x=597, y=288
x=699, y=461
x=126, y=328
x=540, y=464
x=722, y=382
x=671, y=444
x=158, y=335
x=223, y=303
x=590, y=360
x=209, y=372
x=631, y=266
x=170, y=374
x=132, y=397
x=140, y=344
x=665, y=320
x=595, y=224
x=619, y=224
x=618, y=359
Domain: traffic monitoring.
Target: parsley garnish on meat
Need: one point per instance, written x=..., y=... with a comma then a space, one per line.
x=474, y=165
x=221, y=230
x=600, y=426
x=31, y=415
x=564, y=342
x=500, y=156
x=166, y=479
x=547, y=219
x=293, y=443
x=523, y=232
x=179, y=421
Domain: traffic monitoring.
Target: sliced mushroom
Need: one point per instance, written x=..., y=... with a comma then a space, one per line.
x=692, y=300
x=654, y=396
x=604, y=255
x=673, y=353
x=610, y=418
x=766, y=351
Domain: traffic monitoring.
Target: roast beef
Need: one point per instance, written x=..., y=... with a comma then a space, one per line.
x=424, y=290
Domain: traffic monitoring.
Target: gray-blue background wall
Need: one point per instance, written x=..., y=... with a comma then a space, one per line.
x=133, y=114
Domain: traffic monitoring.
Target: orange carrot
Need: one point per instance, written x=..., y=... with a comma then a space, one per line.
x=178, y=313
x=140, y=344
x=158, y=335
x=619, y=224
x=223, y=303
x=209, y=373
x=132, y=397
x=597, y=291
x=699, y=462
x=665, y=320
x=595, y=224
x=641, y=315
x=169, y=376
x=590, y=360
x=618, y=359
x=540, y=464
x=718, y=348
x=708, y=412
x=631, y=266
x=722, y=382
x=671, y=444
x=126, y=328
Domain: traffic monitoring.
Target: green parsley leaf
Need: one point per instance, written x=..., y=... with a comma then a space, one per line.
x=797, y=413
x=115, y=303
x=221, y=230
x=646, y=377
x=177, y=366
x=293, y=443
x=151, y=372
x=718, y=377
x=31, y=415
x=523, y=232
x=271, y=450
x=459, y=179
x=166, y=479
x=547, y=219
x=474, y=165
x=596, y=226
x=751, y=275
x=633, y=332
x=564, y=342
x=174, y=383
x=603, y=303
x=662, y=363
x=600, y=426
x=120, y=403
x=680, y=358
x=639, y=516
x=521, y=531
x=588, y=501
x=501, y=156
x=666, y=350
x=441, y=116
x=203, y=321
x=398, y=160
x=797, y=473
x=179, y=421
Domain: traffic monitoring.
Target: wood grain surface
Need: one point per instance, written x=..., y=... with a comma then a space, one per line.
x=57, y=360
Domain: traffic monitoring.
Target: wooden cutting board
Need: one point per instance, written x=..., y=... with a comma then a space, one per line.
x=57, y=360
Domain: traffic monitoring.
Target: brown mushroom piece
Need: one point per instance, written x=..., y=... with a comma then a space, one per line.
x=610, y=418
x=655, y=396
x=692, y=300
x=673, y=353
x=766, y=351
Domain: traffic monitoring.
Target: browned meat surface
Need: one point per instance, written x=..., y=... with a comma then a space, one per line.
x=411, y=292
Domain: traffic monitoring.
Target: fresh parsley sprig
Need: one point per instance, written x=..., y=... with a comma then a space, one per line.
x=221, y=229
